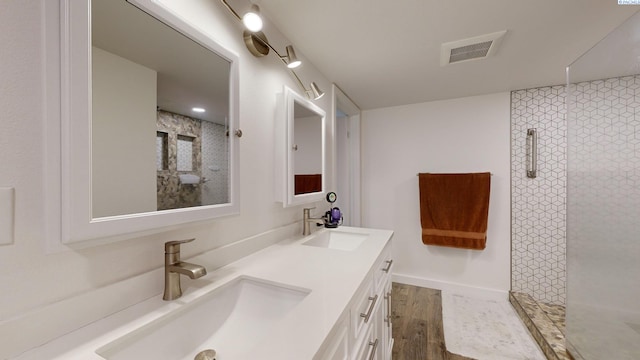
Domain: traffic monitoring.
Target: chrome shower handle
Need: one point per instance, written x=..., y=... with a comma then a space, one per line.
x=532, y=153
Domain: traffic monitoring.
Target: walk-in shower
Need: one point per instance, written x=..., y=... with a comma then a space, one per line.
x=576, y=220
x=603, y=207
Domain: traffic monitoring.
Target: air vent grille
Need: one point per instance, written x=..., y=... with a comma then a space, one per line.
x=478, y=47
x=469, y=52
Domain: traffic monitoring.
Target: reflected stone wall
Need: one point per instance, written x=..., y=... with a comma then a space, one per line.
x=172, y=194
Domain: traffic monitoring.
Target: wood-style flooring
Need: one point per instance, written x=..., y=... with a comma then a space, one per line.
x=417, y=324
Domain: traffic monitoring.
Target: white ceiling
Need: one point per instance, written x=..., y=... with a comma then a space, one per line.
x=188, y=74
x=387, y=53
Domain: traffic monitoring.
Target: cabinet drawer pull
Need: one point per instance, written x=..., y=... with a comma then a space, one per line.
x=389, y=262
x=373, y=351
x=370, y=310
x=387, y=318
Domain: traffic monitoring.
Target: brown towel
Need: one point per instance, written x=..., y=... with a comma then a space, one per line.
x=454, y=209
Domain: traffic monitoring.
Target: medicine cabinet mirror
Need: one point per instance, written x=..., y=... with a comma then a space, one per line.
x=301, y=174
x=151, y=131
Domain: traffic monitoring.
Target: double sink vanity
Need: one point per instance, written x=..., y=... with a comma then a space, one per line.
x=326, y=295
x=322, y=296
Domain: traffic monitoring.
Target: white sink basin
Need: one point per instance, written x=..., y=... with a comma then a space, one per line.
x=338, y=240
x=230, y=320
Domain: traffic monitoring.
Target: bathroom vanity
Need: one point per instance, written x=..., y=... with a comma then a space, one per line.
x=265, y=296
x=322, y=296
x=364, y=329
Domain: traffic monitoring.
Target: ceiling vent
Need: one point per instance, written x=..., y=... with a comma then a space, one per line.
x=478, y=47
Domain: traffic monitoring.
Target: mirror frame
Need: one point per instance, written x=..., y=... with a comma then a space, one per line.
x=77, y=223
x=285, y=172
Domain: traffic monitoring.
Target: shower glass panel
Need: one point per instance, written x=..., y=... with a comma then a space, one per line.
x=603, y=204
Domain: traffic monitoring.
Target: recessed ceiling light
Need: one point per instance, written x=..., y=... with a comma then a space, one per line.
x=198, y=110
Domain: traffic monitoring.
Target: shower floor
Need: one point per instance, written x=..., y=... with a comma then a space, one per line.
x=545, y=322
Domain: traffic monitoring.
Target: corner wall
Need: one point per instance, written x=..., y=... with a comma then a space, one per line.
x=538, y=209
x=460, y=135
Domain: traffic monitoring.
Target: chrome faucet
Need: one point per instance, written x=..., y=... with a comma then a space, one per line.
x=173, y=267
x=307, y=219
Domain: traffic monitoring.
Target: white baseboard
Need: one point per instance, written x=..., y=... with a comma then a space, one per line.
x=462, y=289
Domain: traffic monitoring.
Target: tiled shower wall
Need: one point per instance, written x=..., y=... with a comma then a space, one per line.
x=171, y=194
x=538, y=205
x=215, y=163
x=603, y=317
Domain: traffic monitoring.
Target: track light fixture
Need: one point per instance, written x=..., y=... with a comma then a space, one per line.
x=256, y=41
x=258, y=45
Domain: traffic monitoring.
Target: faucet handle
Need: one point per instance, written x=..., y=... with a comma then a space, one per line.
x=172, y=247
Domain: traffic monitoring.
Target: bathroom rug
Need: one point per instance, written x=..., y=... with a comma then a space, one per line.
x=485, y=329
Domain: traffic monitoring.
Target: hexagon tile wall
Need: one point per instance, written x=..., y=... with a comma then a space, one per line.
x=604, y=206
x=538, y=205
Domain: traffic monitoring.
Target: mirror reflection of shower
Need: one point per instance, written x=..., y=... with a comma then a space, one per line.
x=197, y=171
x=151, y=81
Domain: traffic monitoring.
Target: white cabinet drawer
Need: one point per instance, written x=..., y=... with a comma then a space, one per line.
x=366, y=348
x=336, y=347
x=383, y=268
x=362, y=310
x=371, y=345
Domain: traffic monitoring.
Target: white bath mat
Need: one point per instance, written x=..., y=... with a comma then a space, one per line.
x=486, y=330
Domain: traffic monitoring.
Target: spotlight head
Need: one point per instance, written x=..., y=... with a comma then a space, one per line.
x=315, y=90
x=252, y=20
x=292, y=60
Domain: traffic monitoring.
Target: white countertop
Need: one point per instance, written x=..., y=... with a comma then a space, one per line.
x=333, y=276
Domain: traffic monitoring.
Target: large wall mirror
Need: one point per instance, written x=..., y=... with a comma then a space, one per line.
x=301, y=177
x=160, y=119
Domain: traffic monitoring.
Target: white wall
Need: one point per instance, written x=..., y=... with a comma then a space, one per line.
x=124, y=115
x=460, y=135
x=307, y=134
x=342, y=169
x=33, y=278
